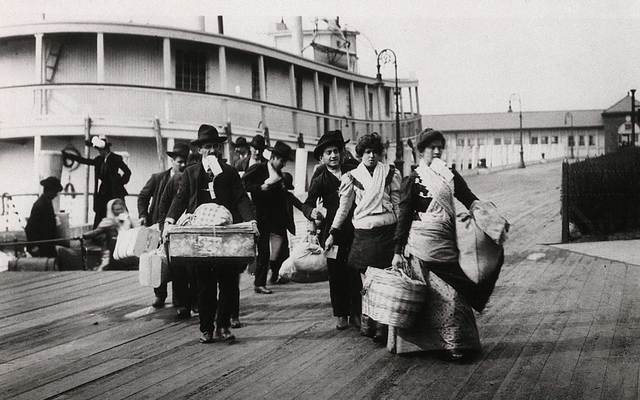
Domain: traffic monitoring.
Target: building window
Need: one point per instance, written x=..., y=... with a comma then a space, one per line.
x=349, y=110
x=387, y=102
x=592, y=140
x=497, y=141
x=507, y=140
x=191, y=70
x=544, y=140
x=255, y=81
x=480, y=141
x=299, y=91
x=370, y=105
x=581, y=140
x=572, y=141
x=469, y=142
x=533, y=140
x=554, y=140
x=517, y=140
x=460, y=142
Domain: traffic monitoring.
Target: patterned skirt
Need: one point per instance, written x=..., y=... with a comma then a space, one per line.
x=446, y=323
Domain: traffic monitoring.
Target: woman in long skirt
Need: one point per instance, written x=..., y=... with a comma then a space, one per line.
x=426, y=226
x=374, y=188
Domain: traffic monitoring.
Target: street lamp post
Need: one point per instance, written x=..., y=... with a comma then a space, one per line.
x=520, y=117
x=569, y=115
x=633, y=117
x=386, y=56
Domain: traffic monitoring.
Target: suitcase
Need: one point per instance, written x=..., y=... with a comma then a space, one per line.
x=229, y=243
x=135, y=241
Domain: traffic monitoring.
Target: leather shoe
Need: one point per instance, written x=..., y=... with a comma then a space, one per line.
x=355, y=321
x=183, y=313
x=262, y=290
x=158, y=302
x=235, y=323
x=341, y=323
x=207, y=337
x=223, y=336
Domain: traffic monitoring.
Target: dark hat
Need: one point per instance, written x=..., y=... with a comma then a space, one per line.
x=208, y=134
x=328, y=139
x=258, y=142
x=427, y=137
x=98, y=142
x=282, y=150
x=179, y=149
x=287, y=179
x=51, y=183
x=241, y=142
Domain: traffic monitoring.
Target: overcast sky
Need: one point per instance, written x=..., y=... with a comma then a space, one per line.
x=469, y=56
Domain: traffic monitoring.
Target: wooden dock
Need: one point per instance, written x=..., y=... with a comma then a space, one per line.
x=560, y=325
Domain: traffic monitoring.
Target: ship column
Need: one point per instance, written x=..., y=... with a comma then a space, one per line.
x=37, y=139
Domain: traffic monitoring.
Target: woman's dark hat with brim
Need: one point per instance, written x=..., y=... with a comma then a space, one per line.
x=208, y=134
x=241, y=142
x=281, y=150
x=95, y=142
x=331, y=138
x=287, y=179
x=258, y=143
x=427, y=137
x=179, y=150
x=51, y=183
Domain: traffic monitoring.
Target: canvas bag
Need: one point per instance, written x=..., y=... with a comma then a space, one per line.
x=153, y=269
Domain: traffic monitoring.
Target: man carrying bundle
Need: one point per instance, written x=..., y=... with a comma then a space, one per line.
x=212, y=181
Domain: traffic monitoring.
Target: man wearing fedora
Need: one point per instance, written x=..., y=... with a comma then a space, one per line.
x=241, y=150
x=149, y=210
x=41, y=224
x=264, y=182
x=212, y=180
x=108, y=183
x=256, y=147
x=344, y=282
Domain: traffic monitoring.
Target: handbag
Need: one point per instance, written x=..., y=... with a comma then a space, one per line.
x=392, y=297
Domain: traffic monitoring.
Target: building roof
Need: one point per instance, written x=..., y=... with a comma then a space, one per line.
x=510, y=120
x=623, y=106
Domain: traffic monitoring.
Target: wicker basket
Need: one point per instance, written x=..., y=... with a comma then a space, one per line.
x=391, y=297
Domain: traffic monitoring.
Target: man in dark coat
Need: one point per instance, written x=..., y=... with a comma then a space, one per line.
x=344, y=282
x=41, y=224
x=149, y=210
x=108, y=183
x=264, y=182
x=241, y=150
x=256, y=147
x=219, y=183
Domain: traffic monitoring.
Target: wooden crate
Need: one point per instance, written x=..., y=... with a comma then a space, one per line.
x=229, y=243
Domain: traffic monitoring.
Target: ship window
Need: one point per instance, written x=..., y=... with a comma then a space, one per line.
x=191, y=67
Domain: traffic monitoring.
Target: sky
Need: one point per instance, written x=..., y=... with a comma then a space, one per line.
x=469, y=56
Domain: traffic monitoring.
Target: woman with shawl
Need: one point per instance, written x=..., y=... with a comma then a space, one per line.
x=426, y=226
x=374, y=188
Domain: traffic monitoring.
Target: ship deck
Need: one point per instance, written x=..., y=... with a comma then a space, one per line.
x=560, y=325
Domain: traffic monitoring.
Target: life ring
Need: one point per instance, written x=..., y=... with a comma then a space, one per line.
x=69, y=188
x=67, y=162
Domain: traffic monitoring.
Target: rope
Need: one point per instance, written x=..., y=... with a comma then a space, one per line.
x=25, y=243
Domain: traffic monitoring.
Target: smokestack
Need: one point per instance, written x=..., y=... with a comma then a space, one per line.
x=201, y=25
x=220, y=25
x=296, y=35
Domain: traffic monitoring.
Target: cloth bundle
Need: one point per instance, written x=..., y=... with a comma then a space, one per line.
x=307, y=262
x=211, y=214
x=136, y=241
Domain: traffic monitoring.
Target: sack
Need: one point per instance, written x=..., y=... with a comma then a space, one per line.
x=135, y=241
x=308, y=256
x=480, y=256
x=487, y=217
x=391, y=297
x=153, y=269
x=212, y=214
x=287, y=269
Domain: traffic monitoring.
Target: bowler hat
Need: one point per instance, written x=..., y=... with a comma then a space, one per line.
x=208, y=134
x=51, y=183
x=427, y=137
x=179, y=149
x=281, y=150
x=241, y=142
x=98, y=142
x=331, y=138
x=287, y=179
x=258, y=142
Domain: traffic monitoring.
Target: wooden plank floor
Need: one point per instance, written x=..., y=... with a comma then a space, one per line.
x=560, y=325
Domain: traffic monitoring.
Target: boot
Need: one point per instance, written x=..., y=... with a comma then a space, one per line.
x=367, y=326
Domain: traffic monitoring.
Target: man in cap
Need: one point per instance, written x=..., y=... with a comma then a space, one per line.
x=108, y=183
x=212, y=181
x=256, y=147
x=149, y=210
x=41, y=224
x=344, y=282
x=264, y=182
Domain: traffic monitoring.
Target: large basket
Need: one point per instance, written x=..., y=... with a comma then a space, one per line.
x=391, y=297
x=234, y=243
